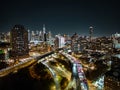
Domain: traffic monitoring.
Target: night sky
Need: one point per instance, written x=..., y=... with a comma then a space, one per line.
x=62, y=16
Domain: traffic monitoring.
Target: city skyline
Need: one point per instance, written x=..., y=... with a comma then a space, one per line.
x=59, y=45
x=62, y=16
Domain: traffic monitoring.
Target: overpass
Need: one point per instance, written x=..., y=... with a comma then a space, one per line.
x=14, y=68
x=27, y=62
x=78, y=79
x=78, y=72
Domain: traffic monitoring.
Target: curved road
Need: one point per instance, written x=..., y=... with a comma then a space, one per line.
x=78, y=72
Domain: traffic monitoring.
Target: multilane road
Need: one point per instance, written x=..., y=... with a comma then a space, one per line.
x=78, y=74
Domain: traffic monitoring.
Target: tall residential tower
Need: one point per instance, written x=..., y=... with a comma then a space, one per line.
x=19, y=41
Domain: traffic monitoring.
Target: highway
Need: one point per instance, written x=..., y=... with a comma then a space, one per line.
x=78, y=72
x=24, y=63
x=53, y=74
x=56, y=71
x=78, y=80
x=14, y=68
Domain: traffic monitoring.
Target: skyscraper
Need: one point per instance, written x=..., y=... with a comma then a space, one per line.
x=33, y=36
x=49, y=35
x=40, y=35
x=59, y=41
x=90, y=32
x=29, y=35
x=44, y=33
x=19, y=41
x=74, y=43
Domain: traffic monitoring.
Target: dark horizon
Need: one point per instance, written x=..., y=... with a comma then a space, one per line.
x=62, y=16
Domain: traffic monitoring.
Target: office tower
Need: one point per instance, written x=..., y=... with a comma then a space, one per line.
x=91, y=32
x=49, y=35
x=29, y=35
x=37, y=32
x=74, y=43
x=40, y=35
x=59, y=41
x=44, y=33
x=19, y=41
x=83, y=43
x=116, y=40
x=44, y=29
x=36, y=36
x=45, y=37
x=33, y=36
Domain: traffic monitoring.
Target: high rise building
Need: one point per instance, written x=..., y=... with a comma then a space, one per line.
x=44, y=33
x=44, y=29
x=19, y=41
x=116, y=41
x=74, y=43
x=90, y=32
x=36, y=36
x=29, y=35
x=40, y=35
x=59, y=41
x=33, y=36
x=49, y=35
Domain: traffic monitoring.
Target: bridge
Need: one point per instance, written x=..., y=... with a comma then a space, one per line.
x=76, y=78
x=27, y=62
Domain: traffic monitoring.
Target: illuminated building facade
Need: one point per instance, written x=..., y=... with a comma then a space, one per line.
x=39, y=36
x=116, y=41
x=59, y=41
x=90, y=32
x=29, y=35
x=83, y=42
x=19, y=41
x=75, y=46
